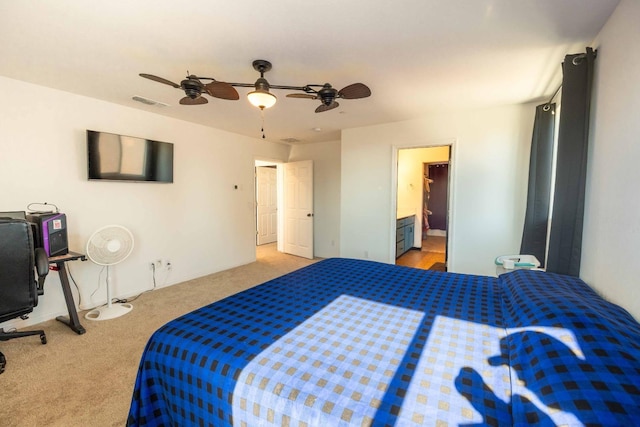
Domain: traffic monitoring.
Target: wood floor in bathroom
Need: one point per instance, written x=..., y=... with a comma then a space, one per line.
x=430, y=257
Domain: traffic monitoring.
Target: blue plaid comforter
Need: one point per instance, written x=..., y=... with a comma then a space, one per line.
x=347, y=342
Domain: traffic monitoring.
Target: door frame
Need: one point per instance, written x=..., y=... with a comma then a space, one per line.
x=280, y=199
x=427, y=164
x=447, y=212
x=451, y=202
x=281, y=190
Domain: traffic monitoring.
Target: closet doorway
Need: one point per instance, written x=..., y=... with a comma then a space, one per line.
x=435, y=210
x=423, y=200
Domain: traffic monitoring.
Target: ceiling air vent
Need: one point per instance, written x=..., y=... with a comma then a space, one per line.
x=290, y=140
x=149, y=101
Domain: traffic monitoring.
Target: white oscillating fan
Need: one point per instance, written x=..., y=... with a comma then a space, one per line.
x=108, y=246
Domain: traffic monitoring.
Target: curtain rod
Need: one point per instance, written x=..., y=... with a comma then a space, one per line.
x=547, y=106
x=575, y=61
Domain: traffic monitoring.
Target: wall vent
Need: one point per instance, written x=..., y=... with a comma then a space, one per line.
x=290, y=140
x=148, y=101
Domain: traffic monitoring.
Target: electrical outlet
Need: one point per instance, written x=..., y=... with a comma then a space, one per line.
x=168, y=265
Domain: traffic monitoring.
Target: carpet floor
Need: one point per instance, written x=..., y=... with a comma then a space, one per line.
x=87, y=380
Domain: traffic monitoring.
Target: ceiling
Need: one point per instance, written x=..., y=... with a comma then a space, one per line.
x=417, y=56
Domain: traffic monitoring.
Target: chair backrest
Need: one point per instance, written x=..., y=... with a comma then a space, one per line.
x=18, y=291
x=13, y=215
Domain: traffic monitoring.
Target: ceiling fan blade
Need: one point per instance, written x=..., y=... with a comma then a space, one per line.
x=302, y=95
x=355, y=91
x=222, y=90
x=193, y=101
x=323, y=107
x=159, y=80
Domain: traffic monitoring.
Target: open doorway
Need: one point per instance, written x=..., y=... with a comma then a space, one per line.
x=266, y=205
x=284, y=207
x=422, y=207
x=267, y=200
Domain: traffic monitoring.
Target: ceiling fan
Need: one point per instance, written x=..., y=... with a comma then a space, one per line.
x=328, y=94
x=193, y=88
x=261, y=97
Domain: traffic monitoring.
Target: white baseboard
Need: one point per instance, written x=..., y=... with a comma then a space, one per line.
x=33, y=319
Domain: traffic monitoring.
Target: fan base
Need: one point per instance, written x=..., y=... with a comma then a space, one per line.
x=109, y=312
x=261, y=65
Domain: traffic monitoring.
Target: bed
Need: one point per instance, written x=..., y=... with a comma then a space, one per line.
x=347, y=342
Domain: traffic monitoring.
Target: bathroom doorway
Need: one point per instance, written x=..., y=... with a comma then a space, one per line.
x=423, y=198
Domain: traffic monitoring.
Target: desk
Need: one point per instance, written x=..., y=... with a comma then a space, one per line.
x=60, y=262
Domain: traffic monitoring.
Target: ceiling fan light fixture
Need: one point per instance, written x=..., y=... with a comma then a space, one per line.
x=261, y=97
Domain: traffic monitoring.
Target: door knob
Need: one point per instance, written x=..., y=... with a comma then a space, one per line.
x=309, y=214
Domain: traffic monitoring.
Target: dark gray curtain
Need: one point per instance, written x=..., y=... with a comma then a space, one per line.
x=534, y=235
x=565, y=239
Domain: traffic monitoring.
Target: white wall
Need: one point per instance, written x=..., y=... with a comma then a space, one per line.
x=411, y=182
x=199, y=222
x=489, y=166
x=611, y=239
x=326, y=194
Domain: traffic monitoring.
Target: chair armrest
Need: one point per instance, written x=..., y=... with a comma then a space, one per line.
x=42, y=268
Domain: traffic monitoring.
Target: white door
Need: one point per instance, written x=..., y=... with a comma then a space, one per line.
x=267, y=205
x=298, y=203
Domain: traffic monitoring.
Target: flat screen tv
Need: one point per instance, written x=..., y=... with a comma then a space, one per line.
x=126, y=158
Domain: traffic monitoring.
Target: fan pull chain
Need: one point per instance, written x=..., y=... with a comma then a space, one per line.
x=262, y=116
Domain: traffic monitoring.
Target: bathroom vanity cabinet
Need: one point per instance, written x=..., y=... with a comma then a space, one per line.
x=405, y=233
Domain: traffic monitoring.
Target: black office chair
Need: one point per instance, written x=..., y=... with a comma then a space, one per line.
x=19, y=288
